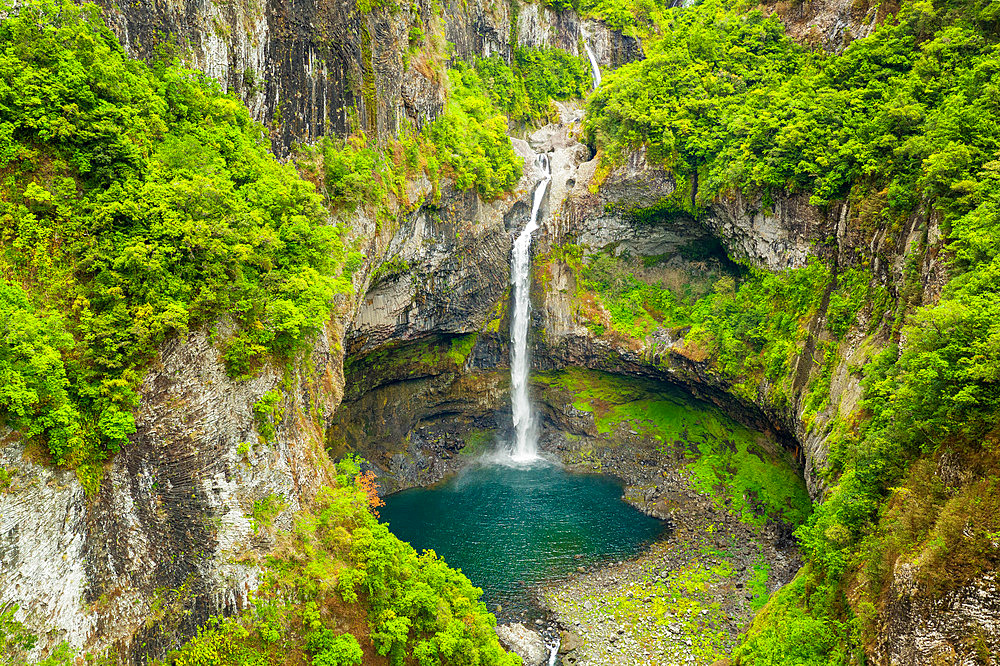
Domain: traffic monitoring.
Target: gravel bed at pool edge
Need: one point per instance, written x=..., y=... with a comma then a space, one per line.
x=686, y=598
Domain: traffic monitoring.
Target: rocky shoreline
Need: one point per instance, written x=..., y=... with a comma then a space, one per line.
x=684, y=600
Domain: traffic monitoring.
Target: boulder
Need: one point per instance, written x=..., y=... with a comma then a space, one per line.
x=523, y=642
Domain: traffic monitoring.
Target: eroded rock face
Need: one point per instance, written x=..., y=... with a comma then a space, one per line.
x=417, y=429
x=170, y=539
x=612, y=48
x=830, y=24
x=959, y=627
x=782, y=235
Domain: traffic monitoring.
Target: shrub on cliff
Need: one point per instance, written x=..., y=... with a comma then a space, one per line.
x=471, y=137
x=139, y=202
x=339, y=564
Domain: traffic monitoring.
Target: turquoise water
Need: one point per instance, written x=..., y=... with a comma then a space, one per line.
x=509, y=529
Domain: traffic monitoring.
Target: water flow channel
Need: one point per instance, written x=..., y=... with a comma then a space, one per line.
x=525, y=447
x=595, y=68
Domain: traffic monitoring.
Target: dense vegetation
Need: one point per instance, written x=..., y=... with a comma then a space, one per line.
x=901, y=123
x=338, y=587
x=139, y=202
x=908, y=112
x=524, y=89
x=471, y=137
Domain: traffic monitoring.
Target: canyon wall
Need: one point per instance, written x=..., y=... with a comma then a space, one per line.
x=178, y=520
x=319, y=67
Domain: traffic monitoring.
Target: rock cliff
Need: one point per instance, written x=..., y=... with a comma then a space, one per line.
x=178, y=527
x=182, y=519
x=308, y=69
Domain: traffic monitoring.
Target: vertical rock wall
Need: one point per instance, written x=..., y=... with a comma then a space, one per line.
x=170, y=538
x=314, y=67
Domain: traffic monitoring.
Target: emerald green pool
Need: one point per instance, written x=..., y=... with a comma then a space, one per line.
x=510, y=528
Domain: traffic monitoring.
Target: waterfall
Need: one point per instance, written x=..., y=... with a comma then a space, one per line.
x=525, y=446
x=595, y=69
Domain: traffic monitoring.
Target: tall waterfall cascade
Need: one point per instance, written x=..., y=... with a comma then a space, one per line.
x=595, y=68
x=525, y=448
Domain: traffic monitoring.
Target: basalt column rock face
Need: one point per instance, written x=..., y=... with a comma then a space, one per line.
x=175, y=534
x=539, y=26
x=317, y=67
x=303, y=68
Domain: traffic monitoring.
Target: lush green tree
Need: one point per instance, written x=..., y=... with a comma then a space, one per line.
x=139, y=203
x=331, y=649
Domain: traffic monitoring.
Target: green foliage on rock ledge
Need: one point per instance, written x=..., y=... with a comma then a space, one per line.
x=467, y=143
x=902, y=124
x=341, y=586
x=139, y=202
x=524, y=89
x=741, y=470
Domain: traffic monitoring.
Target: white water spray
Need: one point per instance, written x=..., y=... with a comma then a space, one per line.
x=595, y=69
x=525, y=445
x=554, y=653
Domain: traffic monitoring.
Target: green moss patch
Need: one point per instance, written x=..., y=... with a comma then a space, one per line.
x=738, y=467
x=431, y=356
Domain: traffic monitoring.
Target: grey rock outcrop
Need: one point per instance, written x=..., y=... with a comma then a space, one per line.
x=172, y=525
x=301, y=68
x=961, y=626
x=783, y=235
x=829, y=24
x=523, y=642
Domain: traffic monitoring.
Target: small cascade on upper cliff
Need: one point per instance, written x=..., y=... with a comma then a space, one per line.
x=525, y=447
x=595, y=68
